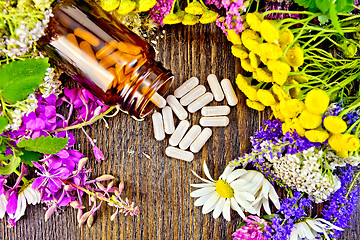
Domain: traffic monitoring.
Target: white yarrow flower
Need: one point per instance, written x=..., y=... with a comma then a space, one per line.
x=221, y=195
x=29, y=196
x=312, y=229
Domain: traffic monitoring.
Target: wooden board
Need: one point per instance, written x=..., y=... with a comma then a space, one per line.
x=160, y=185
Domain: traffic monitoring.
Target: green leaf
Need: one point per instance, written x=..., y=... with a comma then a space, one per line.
x=3, y=123
x=11, y=167
x=20, y=78
x=324, y=5
x=29, y=157
x=306, y=3
x=344, y=6
x=45, y=145
x=334, y=19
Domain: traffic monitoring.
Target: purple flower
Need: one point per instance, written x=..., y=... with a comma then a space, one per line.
x=279, y=5
x=50, y=178
x=217, y=3
x=253, y=230
x=160, y=10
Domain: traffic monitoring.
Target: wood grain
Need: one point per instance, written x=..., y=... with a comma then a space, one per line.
x=159, y=185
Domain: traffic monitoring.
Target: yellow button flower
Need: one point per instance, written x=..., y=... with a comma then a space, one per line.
x=208, y=17
x=254, y=21
x=294, y=92
x=279, y=93
x=336, y=142
x=265, y=97
x=195, y=8
x=317, y=135
x=343, y=154
x=245, y=64
x=233, y=37
x=145, y=5
x=190, y=19
x=335, y=124
x=248, y=37
x=269, y=32
x=241, y=81
x=280, y=78
x=270, y=51
x=173, y=18
x=309, y=120
x=110, y=5
x=291, y=125
x=239, y=51
x=250, y=92
x=291, y=108
x=252, y=45
x=351, y=142
x=254, y=60
x=295, y=56
x=255, y=105
x=286, y=38
x=279, y=67
x=317, y=101
x=263, y=75
x=276, y=110
x=126, y=7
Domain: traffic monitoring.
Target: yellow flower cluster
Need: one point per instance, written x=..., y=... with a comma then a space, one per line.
x=127, y=6
x=260, y=48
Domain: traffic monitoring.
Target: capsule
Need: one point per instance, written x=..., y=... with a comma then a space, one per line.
x=168, y=120
x=200, y=102
x=215, y=111
x=190, y=137
x=214, y=121
x=179, y=133
x=179, y=154
x=158, y=126
x=87, y=36
x=229, y=92
x=215, y=87
x=200, y=141
x=158, y=100
x=179, y=111
x=186, y=87
x=192, y=95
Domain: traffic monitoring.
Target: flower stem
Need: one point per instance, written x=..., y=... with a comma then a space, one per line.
x=352, y=184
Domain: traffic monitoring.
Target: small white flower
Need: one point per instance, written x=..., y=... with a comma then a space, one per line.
x=262, y=189
x=221, y=195
x=312, y=229
x=3, y=203
x=29, y=195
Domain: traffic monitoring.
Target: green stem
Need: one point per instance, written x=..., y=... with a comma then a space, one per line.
x=352, y=184
x=87, y=122
x=17, y=172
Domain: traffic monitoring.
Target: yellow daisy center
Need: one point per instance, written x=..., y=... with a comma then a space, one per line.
x=223, y=189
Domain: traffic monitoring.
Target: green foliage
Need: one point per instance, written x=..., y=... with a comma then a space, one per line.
x=10, y=167
x=45, y=145
x=3, y=123
x=28, y=157
x=20, y=78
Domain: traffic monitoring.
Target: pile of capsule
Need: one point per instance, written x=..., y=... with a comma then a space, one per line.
x=194, y=97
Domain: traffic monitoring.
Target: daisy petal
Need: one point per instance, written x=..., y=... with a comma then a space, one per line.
x=226, y=172
x=265, y=188
x=202, y=179
x=247, y=196
x=246, y=205
x=218, y=208
x=308, y=233
x=314, y=226
x=201, y=185
x=236, y=207
x=274, y=197
x=207, y=173
x=266, y=206
x=201, y=200
x=235, y=174
x=209, y=205
x=226, y=210
x=202, y=191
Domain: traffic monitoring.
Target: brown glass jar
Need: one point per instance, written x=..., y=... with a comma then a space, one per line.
x=105, y=57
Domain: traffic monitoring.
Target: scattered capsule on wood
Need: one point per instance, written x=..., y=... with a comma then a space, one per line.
x=200, y=141
x=158, y=100
x=179, y=154
x=214, y=121
x=192, y=95
x=229, y=92
x=179, y=133
x=215, y=87
x=190, y=137
x=168, y=120
x=179, y=110
x=186, y=87
x=158, y=126
x=200, y=102
x=215, y=111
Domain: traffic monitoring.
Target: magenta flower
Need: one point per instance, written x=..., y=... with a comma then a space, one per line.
x=50, y=178
x=160, y=10
x=253, y=230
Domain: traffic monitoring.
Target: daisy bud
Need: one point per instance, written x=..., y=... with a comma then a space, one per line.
x=84, y=217
x=104, y=177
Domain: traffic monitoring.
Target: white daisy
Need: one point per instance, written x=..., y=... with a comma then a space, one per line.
x=262, y=189
x=221, y=195
x=312, y=229
x=29, y=195
x=3, y=203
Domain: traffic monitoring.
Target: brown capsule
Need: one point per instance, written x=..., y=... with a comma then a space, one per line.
x=106, y=50
x=86, y=47
x=87, y=36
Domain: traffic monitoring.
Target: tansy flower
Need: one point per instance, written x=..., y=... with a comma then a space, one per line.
x=208, y=17
x=221, y=195
x=265, y=97
x=254, y=21
x=317, y=135
x=255, y=105
x=343, y=153
x=252, y=45
x=269, y=32
x=295, y=56
x=291, y=108
x=335, y=124
x=286, y=38
x=278, y=67
x=291, y=125
x=245, y=64
x=248, y=38
x=336, y=142
x=250, y=92
x=270, y=51
x=190, y=19
x=351, y=142
x=294, y=92
x=110, y=5
x=254, y=60
x=195, y=8
x=309, y=120
x=280, y=78
x=145, y=5
x=312, y=229
x=173, y=18
x=241, y=81
x=279, y=93
x=239, y=51
x=276, y=110
x=317, y=101
x=126, y=6
x=233, y=37
x=262, y=75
